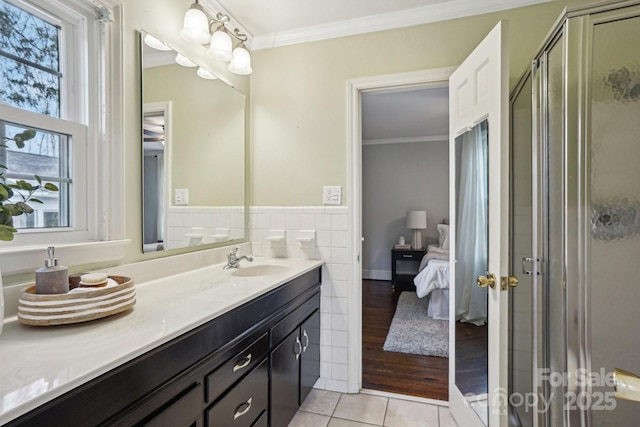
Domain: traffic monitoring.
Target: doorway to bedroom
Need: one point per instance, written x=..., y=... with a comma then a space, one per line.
x=404, y=177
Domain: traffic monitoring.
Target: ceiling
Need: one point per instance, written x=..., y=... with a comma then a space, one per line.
x=272, y=23
x=415, y=115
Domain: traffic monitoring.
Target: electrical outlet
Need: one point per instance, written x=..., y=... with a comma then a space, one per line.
x=332, y=195
x=181, y=197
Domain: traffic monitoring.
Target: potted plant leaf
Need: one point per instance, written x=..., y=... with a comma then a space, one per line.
x=22, y=188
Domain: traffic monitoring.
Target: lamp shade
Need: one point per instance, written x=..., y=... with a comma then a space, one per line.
x=416, y=220
x=220, y=47
x=241, y=63
x=196, y=26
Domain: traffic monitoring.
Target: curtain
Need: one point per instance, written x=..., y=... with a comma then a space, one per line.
x=472, y=231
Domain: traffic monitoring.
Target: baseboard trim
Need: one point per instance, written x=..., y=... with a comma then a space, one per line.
x=376, y=274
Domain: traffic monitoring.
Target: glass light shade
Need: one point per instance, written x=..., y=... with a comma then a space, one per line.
x=220, y=47
x=205, y=74
x=153, y=42
x=196, y=27
x=241, y=63
x=184, y=61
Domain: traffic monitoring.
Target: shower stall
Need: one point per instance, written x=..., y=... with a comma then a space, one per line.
x=575, y=230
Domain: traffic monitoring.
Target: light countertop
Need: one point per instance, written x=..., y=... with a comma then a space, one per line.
x=40, y=363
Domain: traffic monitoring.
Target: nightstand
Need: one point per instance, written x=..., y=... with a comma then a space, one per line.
x=404, y=267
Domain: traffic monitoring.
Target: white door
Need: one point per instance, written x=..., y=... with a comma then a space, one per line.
x=478, y=129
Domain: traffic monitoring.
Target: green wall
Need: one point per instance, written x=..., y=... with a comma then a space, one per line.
x=299, y=93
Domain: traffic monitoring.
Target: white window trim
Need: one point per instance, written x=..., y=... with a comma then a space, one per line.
x=105, y=203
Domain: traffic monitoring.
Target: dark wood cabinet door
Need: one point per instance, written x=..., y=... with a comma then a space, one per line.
x=285, y=379
x=310, y=359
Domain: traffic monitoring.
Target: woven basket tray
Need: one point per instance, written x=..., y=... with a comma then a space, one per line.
x=61, y=309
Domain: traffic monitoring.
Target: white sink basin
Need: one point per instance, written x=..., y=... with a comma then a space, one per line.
x=259, y=270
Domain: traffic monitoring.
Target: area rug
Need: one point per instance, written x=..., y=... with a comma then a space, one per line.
x=412, y=331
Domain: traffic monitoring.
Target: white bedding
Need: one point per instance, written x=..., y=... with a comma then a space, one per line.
x=433, y=281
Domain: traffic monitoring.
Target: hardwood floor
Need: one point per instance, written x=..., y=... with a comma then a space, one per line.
x=415, y=375
x=410, y=374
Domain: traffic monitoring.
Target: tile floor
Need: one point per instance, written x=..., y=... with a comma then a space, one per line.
x=331, y=409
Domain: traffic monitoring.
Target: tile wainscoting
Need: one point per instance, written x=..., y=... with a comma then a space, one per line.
x=331, y=242
x=213, y=223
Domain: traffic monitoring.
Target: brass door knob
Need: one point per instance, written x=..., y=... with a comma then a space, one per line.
x=508, y=282
x=488, y=280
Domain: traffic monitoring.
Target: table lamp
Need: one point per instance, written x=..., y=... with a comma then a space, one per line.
x=416, y=220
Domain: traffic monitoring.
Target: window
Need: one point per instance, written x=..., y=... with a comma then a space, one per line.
x=45, y=90
x=61, y=81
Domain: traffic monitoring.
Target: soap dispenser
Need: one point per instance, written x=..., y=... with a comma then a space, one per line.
x=52, y=278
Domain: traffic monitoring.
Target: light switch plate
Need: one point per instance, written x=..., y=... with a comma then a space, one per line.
x=332, y=195
x=181, y=197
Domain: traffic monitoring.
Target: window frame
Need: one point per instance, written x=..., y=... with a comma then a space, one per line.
x=97, y=224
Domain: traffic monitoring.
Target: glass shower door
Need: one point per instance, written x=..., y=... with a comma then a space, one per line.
x=613, y=193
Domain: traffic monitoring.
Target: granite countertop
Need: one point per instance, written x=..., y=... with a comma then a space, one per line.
x=40, y=363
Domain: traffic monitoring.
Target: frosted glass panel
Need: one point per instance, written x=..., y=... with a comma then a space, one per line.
x=614, y=171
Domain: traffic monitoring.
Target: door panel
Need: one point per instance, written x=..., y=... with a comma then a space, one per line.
x=613, y=155
x=310, y=358
x=285, y=377
x=478, y=93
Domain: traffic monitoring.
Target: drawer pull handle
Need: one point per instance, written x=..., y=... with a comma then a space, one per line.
x=242, y=409
x=245, y=362
x=407, y=256
x=306, y=341
x=298, y=351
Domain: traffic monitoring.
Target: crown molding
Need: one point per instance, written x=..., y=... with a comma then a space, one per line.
x=406, y=140
x=406, y=18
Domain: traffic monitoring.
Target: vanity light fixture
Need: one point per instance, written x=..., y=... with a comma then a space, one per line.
x=184, y=61
x=155, y=43
x=219, y=42
x=205, y=74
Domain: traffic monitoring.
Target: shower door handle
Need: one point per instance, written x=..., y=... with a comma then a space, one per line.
x=626, y=385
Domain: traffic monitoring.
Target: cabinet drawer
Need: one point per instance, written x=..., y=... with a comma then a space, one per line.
x=237, y=366
x=262, y=421
x=409, y=256
x=245, y=402
x=186, y=411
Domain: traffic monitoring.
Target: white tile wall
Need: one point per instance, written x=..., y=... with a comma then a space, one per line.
x=181, y=219
x=331, y=225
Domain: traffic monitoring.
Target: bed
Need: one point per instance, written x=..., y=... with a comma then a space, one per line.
x=432, y=280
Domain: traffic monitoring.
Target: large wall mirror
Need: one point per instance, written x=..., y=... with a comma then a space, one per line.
x=193, y=148
x=472, y=254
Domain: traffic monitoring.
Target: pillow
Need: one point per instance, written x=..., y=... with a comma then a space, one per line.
x=443, y=235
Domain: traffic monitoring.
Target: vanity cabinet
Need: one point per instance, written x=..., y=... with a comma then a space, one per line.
x=218, y=374
x=295, y=361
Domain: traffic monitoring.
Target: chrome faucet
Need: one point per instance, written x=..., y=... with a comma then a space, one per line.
x=233, y=261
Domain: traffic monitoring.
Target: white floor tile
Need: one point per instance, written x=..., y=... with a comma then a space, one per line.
x=307, y=419
x=321, y=402
x=403, y=413
x=337, y=422
x=362, y=408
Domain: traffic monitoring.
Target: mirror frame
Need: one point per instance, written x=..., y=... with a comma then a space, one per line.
x=245, y=173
